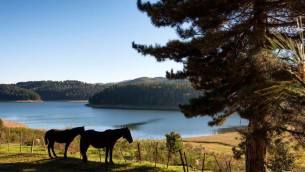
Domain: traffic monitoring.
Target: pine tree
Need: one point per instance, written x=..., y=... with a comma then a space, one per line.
x=225, y=49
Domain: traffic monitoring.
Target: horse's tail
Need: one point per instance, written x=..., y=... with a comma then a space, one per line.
x=46, y=141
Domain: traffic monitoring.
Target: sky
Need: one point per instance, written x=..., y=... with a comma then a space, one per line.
x=86, y=40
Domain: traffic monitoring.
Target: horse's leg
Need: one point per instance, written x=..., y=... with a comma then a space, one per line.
x=52, y=147
x=84, y=153
x=106, y=158
x=66, y=149
x=83, y=149
x=49, y=152
x=111, y=148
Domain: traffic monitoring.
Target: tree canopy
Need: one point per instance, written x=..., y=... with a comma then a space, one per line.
x=13, y=93
x=225, y=51
x=62, y=90
x=144, y=93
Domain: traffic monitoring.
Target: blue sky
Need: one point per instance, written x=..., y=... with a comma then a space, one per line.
x=87, y=40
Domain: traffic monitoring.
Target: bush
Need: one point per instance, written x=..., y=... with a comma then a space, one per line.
x=280, y=158
x=173, y=142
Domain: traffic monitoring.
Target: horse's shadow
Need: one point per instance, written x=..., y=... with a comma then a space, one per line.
x=69, y=165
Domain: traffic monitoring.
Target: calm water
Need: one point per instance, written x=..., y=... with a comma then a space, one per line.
x=144, y=123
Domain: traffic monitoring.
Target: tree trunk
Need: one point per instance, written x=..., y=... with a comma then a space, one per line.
x=256, y=152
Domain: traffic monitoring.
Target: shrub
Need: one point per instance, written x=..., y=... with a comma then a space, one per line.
x=280, y=158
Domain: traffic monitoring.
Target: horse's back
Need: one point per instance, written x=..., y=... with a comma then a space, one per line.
x=61, y=136
x=97, y=139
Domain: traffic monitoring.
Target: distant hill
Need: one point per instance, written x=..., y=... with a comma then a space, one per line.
x=144, y=80
x=14, y=93
x=142, y=91
x=62, y=90
x=145, y=93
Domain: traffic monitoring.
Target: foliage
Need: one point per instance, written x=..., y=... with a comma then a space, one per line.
x=291, y=51
x=173, y=142
x=226, y=56
x=280, y=159
x=62, y=90
x=12, y=93
x=163, y=94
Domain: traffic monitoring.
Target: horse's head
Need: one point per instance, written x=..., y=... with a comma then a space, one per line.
x=127, y=135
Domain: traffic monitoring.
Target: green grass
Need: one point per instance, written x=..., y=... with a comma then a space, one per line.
x=37, y=162
x=25, y=161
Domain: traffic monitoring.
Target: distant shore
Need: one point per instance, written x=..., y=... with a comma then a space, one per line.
x=13, y=124
x=41, y=101
x=27, y=101
x=134, y=107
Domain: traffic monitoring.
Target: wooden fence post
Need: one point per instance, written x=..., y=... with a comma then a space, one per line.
x=0, y=138
x=156, y=154
x=182, y=161
x=139, y=152
x=20, y=142
x=32, y=146
x=8, y=140
x=168, y=158
x=203, y=161
x=220, y=169
x=228, y=166
x=186, y=163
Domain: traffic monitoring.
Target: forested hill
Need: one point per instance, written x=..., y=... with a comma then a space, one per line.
x=14, y=93
x=140, y=91
x=155, y=93
x=62, y=90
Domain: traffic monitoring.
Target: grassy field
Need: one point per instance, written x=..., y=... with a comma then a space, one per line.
x=14, y=161
x=219, y=143
x=26, y=162
x=215, y=152
x=14, y=157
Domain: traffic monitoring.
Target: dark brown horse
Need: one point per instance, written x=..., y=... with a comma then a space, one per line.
x=61, y=136
x=106, y=139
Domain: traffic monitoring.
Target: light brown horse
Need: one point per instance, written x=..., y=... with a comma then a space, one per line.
x=61, y=136
x=106, y=139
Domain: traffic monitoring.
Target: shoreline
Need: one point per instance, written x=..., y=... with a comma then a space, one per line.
x=21, y=101
x=13, y=124
x=221, y=143
x=192, y=139
x=42, y=101
x=133, y=107
x=27, y=101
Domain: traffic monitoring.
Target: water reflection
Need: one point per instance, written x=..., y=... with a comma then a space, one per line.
x=137, y=125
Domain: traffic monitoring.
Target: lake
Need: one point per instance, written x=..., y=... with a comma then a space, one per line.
x=151, y=124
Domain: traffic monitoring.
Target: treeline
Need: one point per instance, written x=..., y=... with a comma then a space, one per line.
x=62, y=90
x=151, y=94
x=140, y=91
x=11, y=93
